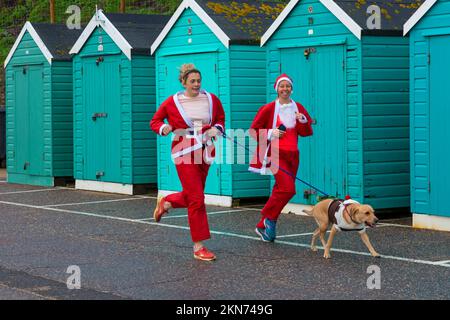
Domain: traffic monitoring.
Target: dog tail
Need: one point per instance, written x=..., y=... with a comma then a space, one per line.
x=308, y=212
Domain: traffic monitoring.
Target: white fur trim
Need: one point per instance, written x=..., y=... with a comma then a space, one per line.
x=283, y=79
x=260, y=171
x=303, y=120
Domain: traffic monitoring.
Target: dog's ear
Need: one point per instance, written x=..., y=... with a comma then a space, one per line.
x=354, y=210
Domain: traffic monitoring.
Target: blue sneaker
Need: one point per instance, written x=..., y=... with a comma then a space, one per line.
x=262, y=233
x=271, y=229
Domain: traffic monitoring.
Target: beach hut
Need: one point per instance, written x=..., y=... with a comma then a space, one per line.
x=114, y=100
x=222, y=39
x=39, y=105
x=429, y=33
x=350, y=65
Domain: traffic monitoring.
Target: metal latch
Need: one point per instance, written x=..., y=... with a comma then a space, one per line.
x=100, y=174
x=99, y=115
x=26, y=165
x=309, y=193
x=308, y=51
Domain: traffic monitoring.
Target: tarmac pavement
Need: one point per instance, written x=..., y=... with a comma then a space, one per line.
x=123, y=254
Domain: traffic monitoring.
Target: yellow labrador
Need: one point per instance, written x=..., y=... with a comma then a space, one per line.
x=345, y=216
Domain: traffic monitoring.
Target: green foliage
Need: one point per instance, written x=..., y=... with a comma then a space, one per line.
x=14, y=13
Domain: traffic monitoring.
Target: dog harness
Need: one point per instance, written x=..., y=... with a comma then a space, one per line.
x=336, y=216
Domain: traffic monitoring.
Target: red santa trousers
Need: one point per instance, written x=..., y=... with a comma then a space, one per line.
x=193, y=178
x=284, y=188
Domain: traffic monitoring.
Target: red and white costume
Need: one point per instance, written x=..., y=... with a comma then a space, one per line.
x=193, y=154
x=273, y=153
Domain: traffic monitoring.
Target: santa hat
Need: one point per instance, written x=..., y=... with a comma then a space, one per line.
x=283, y=77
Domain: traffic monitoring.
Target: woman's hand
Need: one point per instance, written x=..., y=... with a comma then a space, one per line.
x=301, y=117
x=212, y=132
x=277, y=133
x=167, y=129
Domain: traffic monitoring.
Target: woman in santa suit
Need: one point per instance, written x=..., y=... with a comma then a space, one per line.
x=276, y=128
x=196, y=118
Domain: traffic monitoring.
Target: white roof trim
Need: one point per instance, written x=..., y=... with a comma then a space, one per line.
x=417, y=16
x=198, y=10
x=278, y=21
x=337, y=11
x=100, y=20
x=29, y=27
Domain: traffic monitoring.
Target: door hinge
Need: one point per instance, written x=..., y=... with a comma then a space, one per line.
x=280, y=68
x=215, y=68
x=429, y=58
x=81, y=70
x=43, y=75
x=166, y=71
x=429, y=186
x=120, y=164
x=343, y=64
x=120, y=68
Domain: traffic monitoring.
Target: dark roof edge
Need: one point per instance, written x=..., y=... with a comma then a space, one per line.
x=141, y=51
x=388, y=33
x=244, y=41
x=62, y=58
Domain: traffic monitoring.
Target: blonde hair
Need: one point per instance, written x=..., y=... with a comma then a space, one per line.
x=186, y=69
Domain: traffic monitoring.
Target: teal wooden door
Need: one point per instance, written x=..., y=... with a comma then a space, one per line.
x=319, y=86
x=101, y=86
x=207, y=64
x=439, y=129
x=29, y=118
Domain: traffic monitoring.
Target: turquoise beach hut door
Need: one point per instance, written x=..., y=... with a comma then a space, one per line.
x=101, y=85
x=439, y=130
x=318, y=74
x=29, y=112
x=207, y=64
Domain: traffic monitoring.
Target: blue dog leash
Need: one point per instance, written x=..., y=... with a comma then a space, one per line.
x=284, y=170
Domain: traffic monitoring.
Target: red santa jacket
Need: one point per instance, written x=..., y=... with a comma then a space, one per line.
x=261, y=129
x=186, y=139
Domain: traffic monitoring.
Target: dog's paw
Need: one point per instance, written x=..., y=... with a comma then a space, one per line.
x=314, y=249
x=327, y=255
x=376, y=255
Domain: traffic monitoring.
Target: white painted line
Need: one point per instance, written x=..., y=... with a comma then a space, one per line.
x=27, y=191
x=145, y=197
x=253, y=205
x=27, y=292
x=445, y=263
x=381, y=224
x=185, y=215
x=94, y=202
x=235, y=235
x=249, y=209
x=297, y=235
